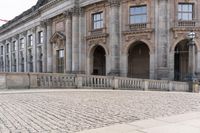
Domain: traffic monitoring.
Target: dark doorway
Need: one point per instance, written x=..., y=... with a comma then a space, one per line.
x=181, y=55
x=138, y=61
x=99, y=61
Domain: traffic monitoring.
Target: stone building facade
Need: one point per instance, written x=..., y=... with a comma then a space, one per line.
x=134, y=38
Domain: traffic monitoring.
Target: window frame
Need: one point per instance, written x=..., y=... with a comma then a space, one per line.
x=30, y=40
x=22, y=43
x=138, y=14
x=40, y=37
x=101, y=20
x=185, y=12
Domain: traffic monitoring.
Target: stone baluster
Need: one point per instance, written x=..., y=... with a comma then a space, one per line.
x=114, y=36
x=68, y=45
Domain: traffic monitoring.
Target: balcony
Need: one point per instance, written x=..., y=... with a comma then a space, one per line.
x=138, y=26
x=186, y=23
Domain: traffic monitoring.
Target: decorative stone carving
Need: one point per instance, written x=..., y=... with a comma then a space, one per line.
x=46, y=22
x=139, y=2
x=99, y=39
x=143, y=34
x=76, y=11
x=67, y=14
x=114, y=2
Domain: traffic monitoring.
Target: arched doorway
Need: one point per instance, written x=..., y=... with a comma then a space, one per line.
x=181, y=55
x=138, y=60
x=99, y=61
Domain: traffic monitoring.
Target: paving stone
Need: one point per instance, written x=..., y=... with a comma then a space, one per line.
x=46, y=111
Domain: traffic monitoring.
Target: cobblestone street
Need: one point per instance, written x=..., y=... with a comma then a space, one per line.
x=74, y=110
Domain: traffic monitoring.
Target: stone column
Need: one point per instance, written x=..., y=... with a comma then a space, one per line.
x=34, y=50
x=82, y=42
x=44, y=47
x=10, y=55
x=114, y=36
x=17, y=52
x=191, y=59
x=75, y=39
x=68, y=44
x=49, y=46
x=4, y=56
x=124, y=64
x=162, y=34
x=25, y=50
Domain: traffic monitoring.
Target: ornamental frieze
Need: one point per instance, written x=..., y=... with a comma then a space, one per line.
x=97, y=39
x=183, y=31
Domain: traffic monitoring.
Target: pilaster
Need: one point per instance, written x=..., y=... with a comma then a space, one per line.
x=75, y=39
x=43, y=24
x=114, y=36
x=68, y=45
x=49, y=47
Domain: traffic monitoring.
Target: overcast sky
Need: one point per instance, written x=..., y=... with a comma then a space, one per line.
x=11, y=8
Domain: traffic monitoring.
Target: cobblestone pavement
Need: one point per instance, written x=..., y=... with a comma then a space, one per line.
x=73, y=110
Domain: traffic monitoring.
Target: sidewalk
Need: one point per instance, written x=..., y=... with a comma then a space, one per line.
x=184, y=123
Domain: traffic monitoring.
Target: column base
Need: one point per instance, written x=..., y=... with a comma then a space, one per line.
x=75, y=72
x=114, y=73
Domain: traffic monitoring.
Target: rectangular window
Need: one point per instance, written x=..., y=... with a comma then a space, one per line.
x=97, y=20
x=8, y=48
x=14, y=46
x=138, y=14
x=7, y=64
x=40, y=56
x=40, y=37
x=185, y=11
x=30, y=40
x=21, y=61
x=14, y=62
x=21, y=43
x=30, y=60
x=1, y=50
x=60, y=61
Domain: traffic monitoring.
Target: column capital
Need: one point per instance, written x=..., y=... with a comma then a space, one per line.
x=76, y=11
x=24, y=33
x=114, y=3
x=67, y=14
x=45, y=22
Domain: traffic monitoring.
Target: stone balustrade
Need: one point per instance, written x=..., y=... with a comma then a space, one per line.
x=55, y=80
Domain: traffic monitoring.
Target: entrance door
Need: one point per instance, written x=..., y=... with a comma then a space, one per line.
x=138, y=61
x=99, y=61
x=181, y=61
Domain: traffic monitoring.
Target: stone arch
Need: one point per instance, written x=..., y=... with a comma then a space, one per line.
x=97, y=55
x=172, y=48
x=129, y=44
x=92, y=48
x=138, y=53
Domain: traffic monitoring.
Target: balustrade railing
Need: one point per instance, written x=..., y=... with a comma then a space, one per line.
x=55, y=80
x=128, y=83
x=182, y=23
x=90, y=81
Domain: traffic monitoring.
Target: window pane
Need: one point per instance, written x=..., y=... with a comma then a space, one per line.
x=138, y=14
x=190, y=8
x=98, y=20
x=184, y=7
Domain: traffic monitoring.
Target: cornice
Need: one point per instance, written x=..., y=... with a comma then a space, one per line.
x=28, y=15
